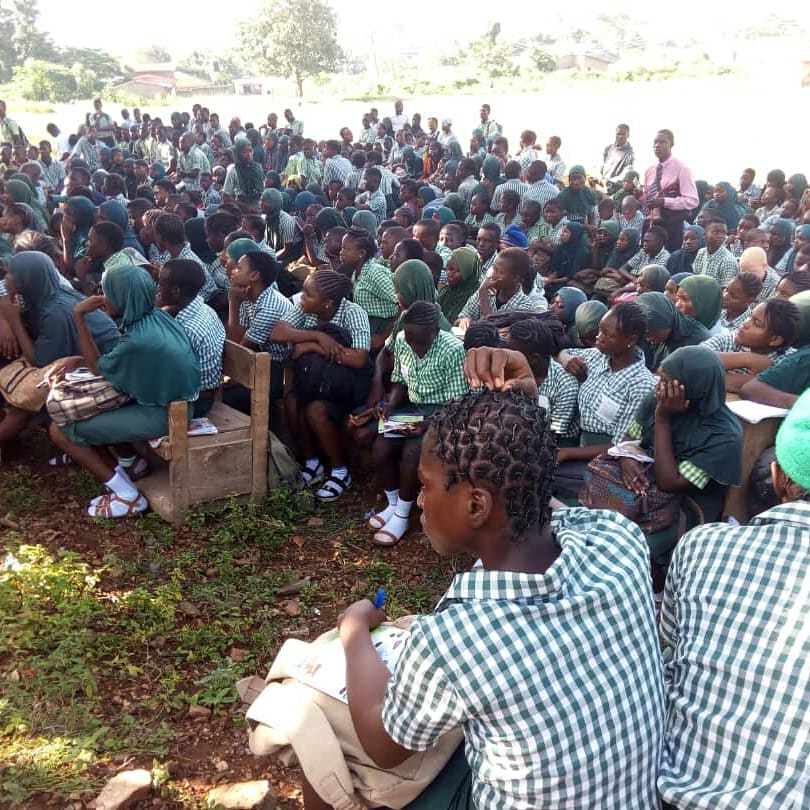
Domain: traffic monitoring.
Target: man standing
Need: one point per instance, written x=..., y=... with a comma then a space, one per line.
x=748, y=194
x=527, y=154
x=617, y=159
x=295, y=126
x=735, y=635
x=669, y=191
x=555, y=163
x=399, y=119
x=447, y=136
x=10, y=131
x=488, y=126
x=191, y=163
x=62, y=142
x=105, y=127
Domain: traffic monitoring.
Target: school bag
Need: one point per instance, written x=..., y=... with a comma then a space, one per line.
x=282, y=468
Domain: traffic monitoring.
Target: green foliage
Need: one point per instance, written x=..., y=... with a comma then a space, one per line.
x=20, y=490
x=201, y=64
x=543, y=61
x=45, y=81
x=153, y=54
x=292, y=38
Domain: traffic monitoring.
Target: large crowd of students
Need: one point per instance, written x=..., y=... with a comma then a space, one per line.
x=533, y=335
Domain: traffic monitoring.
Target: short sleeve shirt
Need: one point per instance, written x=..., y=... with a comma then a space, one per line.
x=720, y=265
x=434, y=379
x=207, y=336
x=260, y=318
x=374, y=291
x=472, y=309
x=562, y=391
x=349, y=316
x=642, y=259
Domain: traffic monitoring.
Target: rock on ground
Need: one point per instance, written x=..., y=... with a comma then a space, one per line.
x=257, y=795
x=123, y=790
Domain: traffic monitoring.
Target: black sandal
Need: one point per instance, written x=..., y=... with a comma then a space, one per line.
x=312, y=475
x=333, y=488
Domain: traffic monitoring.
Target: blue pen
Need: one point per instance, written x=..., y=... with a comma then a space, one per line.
x=379, y=599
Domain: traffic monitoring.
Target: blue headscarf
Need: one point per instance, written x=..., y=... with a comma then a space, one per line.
x=681, y=261
x=729, y=209
x=114, y=211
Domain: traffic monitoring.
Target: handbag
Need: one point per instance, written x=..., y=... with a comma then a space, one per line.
x=297, y=722
x=74, y=400
x=21, y=385
x=652, y=511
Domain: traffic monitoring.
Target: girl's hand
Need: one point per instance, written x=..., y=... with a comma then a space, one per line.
x=577, y=367
x=90, y=304
x=634, y=476
x=9, y=348
x=670, y=397
x=499, y=370
x=361, y=615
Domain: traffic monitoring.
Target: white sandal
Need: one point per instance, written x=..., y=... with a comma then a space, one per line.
x=114, y=506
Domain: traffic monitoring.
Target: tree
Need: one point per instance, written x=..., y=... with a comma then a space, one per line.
x=28, y=41
x=293, y=38
x=45, y=81
x=202, y=65
x=153, y=55
x=542, y=60
x=8, y=56
x=492, y=60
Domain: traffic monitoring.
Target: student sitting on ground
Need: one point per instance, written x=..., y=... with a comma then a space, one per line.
x=573, y=588
x=428, y=372
x=327, y=323
x=667, y=328
x=179, y=285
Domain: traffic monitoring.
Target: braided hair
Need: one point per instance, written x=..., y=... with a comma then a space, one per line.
x=500, y=441
x=538, y=335
x=422, y=313
x=331, y=285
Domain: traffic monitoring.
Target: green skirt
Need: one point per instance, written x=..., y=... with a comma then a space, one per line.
x=129, y=423
x=450, y=790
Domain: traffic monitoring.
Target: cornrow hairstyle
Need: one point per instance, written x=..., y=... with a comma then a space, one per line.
x=501, y=442
x=331, y=285
x=187, y=275
x=222, y=223
x=33, y=240
x=751, y=285
x=630, y=319
x=111, y=234
x=171, y=228
x=800, y=279
x=412, y=248
x=482, y=333
x=783, y=319
x=264, y=264
x=363, y=241
x=422, y=313
x=150, y=215
x=536, y=335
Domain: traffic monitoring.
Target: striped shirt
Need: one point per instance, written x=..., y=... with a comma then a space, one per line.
x=772, y=278
x=188, y=162
x=554, y=678
x=355, y=178
x=720, y=265
x=348, y=316
x=467, y=189
x=436, y=378
x=642, y=259
x=207, y=336
x=510, y=185
x=472, y=309
x=562, y=391
x=260, y=318
x=735, y=635
x=336, y=168
x=542, y=191
x=726, y=341
x=608, y=400
x=374, y=290
x=554, y=235
x=377, y=205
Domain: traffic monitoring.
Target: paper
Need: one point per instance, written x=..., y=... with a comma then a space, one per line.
x=322, y=665
x=630, y=449
x=81, y=375
x=399, y=424
x=755, y=412
x=196, y=427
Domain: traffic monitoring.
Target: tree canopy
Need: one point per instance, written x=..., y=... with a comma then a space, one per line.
x=292, y=38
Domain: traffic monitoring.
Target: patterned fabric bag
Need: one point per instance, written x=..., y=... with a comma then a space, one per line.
x=652, y=511
x=74, y=401
x=21, y=385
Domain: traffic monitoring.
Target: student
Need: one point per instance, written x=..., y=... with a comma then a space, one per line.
x=153, y=363
x=738, y=674
x=630, y=216
x=171, y=242
x=781, y=233
x=553, y=215
x=586, y=320
x=783, y=383
x=754, y=261
x=739, y=299
x=564, y=306
x=486, y=243
x=569, y=257
x=315, y=423
x=463, y=279
x=508, y=210
x=724, y=206
x=531, y=221
x=667, y=328
x=613, y=382
x=577, y=200
x=428, y=372
x=652, y=252
x=683, y=260
x=792, y=284
x=491, y=500
x=283, y=232
x=179, y=285
x=766, y=336
x=715, y=260
x=372, y=282
x=736, y=238
x=503, y=291
x=701, y=298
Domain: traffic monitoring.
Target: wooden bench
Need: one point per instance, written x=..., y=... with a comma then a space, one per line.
x=188, y=470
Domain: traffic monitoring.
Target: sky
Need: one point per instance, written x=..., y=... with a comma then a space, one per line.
x=427, y=22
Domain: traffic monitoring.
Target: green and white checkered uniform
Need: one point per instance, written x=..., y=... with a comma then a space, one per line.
x=726, y=341
x=472, y=309
x=374, y=290
x=195, y=159
x=542, y=191
x=554, y=678
x=207, y=336
x=348, y=315
x=642, y=259
x=539, y=230
x=260, y=318
x=562, y=391
x=772, y=278
x=691, y=472
x=735, y=635
x=472, y=221
x=377, y=205
x=734, y=324
x=608, y=400
x=720, y=265
x=509, y=185
x=434, y=379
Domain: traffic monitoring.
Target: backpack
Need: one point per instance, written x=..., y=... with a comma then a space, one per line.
x=282, y=468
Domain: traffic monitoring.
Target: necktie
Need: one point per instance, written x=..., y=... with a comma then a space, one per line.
x=654, y=189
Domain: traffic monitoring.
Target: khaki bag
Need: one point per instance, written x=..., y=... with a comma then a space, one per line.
x=282, y=468
x=19, y=382
x=74, y=401
x=299, y=723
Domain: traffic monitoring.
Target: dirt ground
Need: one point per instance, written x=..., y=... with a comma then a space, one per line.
x=216, y=582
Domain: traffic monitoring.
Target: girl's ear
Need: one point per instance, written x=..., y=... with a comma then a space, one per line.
x=479, y=506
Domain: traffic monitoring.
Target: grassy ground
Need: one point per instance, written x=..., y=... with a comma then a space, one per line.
x=112, y=631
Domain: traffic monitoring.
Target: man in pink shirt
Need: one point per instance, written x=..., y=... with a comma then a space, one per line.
x=669, y=191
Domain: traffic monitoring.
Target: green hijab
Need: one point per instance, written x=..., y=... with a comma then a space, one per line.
x=413, y=281
x=445, y=215
x=249, y=173
x=153, y=362
x=588, y=316
x=239, y=247
x=662, y=314
x=707, y=434
x=20, y=190
x=367, y=221
x=83, y=213
x=707, y=298
x=452, y=299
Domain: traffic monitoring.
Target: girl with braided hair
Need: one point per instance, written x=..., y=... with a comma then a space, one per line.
x=558, y=613
x=315, y=423
x=428, y=372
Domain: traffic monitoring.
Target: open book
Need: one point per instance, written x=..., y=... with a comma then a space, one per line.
x=755, y=412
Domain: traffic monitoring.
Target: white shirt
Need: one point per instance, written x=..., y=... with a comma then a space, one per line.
x=398, y=121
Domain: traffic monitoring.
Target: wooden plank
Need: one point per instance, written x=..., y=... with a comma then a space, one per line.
x=228, y=419
x=238, y=364
x=219, y=471
x=178, y=466
x=260, y=423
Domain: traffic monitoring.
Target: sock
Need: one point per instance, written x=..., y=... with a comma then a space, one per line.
x=341, y=472
x=126, y=463
x=398, y=524
x=386, y=514
x=122, y=486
